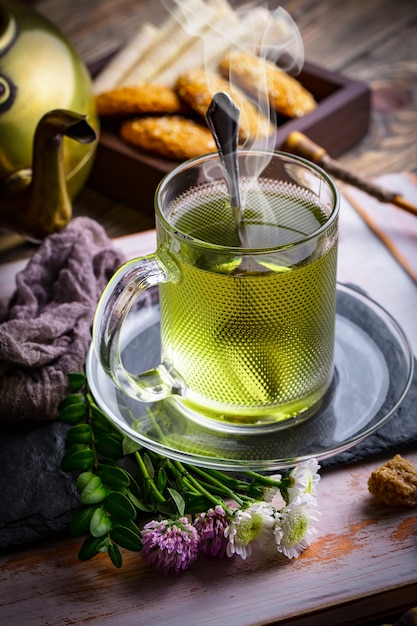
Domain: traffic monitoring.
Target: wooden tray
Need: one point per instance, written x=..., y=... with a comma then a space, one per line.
x=337, y=124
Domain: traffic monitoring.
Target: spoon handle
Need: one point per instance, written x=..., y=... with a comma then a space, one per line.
x=222, y=118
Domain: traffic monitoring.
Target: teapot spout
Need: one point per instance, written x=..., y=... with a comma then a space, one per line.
x=50, y=206
x=38, y=203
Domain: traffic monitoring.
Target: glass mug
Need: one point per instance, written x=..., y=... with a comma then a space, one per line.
x=247, y=332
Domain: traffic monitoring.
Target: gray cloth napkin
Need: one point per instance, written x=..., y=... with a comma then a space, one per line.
x=48, y=326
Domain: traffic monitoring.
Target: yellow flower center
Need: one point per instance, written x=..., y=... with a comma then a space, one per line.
x=249, y=528
x=296, y=527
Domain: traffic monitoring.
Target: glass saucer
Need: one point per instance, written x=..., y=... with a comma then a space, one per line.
x=373, y=371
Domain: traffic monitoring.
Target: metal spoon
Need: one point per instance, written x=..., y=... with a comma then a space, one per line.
x=222, y=119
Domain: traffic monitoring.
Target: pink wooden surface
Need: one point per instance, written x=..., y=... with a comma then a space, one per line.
x=363, y=563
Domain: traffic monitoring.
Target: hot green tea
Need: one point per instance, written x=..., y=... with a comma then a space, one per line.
x=251, y=334
x=247, y=295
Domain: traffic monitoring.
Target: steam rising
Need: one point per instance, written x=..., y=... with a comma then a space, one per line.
x=200, y=34
x=214, y=28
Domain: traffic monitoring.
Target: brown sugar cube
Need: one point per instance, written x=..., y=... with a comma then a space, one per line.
x=395, y=482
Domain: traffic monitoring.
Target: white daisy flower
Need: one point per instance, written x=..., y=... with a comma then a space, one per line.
x=249, y=527
x=293, y=529
x=303, y=479
x=271, y=491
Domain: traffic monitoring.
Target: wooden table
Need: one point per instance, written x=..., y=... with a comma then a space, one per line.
x=362, y=568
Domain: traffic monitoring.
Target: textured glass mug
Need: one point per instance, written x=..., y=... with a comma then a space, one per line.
x=247, y=333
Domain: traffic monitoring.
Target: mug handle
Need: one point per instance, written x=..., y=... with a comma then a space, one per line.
x=123, y=289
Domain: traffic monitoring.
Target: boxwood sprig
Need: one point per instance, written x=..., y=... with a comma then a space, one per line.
x=114, y=499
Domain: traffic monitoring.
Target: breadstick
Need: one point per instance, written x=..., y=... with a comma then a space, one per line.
x=113, y=74
x=175, y=34
x=208, y=49
x=205, y=50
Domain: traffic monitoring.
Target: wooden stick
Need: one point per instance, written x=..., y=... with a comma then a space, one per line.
x=378, y=231
x=299, y=144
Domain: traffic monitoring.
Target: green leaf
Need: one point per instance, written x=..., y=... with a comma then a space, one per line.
x=178, y=499
x=93, y=492
x=105, y=542
x=78, y=457
x=114, y=476
x=148, y=464
x=81, y=433
x=73, y=413
x=129, y=446
x=115, y=555
x=147, y=508
x=99, y=422
x=118, y=505
x=127, y=538
x=80, y=521
x=168, y=508
x=72, y=398
x=197, y=504
x=126, y=523
x=83, y=479
x=100, y=426
x=118, y=435
x=95, y=409
x=109, y=445
x=91, y=547
x=134, y=488
x=100, y=524
x=76, y=381
x=162, y=479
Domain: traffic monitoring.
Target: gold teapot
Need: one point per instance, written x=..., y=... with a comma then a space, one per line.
x=48, y=123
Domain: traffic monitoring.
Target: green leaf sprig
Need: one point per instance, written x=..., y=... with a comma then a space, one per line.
x=114, y=497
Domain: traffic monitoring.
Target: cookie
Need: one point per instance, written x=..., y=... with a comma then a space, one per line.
x=196, y=88
x=172, y=137
x=263, y=79
x=141, y=99
x=395, y=482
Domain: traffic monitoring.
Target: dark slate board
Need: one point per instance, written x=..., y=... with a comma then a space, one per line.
x=397, y=436
x=37, y=498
